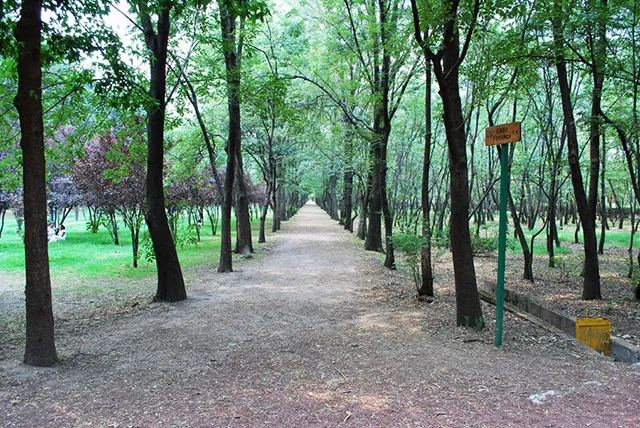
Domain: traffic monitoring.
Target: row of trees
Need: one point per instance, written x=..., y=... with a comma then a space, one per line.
x=375, y=106
x=567, y=71
x=113, y=87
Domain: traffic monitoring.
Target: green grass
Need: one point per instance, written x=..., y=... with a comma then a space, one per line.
x=614, y=238
x=85, y=255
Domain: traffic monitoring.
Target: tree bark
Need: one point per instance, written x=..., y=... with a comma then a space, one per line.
x=361, y=233
x=170, y=281
x=603, y=199
x=40, y=347
x=446, y=64
x=332, y=200
x=599, y=53
x=232, y=65
x=373, y=240
x=263, y=217
x=469, y=312
x=244, y=244
x=591, y=285
x=426, y=287
x=348, y=200
x=526, y=252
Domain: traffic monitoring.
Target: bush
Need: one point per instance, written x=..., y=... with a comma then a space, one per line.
x=410, y=246
x=483, y=245
x=441, y=238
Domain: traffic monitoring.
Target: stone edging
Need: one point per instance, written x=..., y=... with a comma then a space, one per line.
x=621, y=350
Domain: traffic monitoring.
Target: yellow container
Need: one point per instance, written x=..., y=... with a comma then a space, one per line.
x=595, y=333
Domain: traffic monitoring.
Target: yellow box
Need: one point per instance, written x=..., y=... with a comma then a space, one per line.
x=595, y=333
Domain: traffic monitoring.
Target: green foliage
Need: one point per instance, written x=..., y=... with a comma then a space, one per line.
x=484, y=245
x=85, y=255
x=440, y=238
x=146, y=245
x=410, y=246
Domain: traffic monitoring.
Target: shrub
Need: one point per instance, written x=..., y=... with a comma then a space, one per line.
x=410, y=246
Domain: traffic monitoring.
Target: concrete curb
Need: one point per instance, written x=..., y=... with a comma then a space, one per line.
x=621, y=350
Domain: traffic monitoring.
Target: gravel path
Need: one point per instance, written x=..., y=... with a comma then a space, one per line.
x=314, y=332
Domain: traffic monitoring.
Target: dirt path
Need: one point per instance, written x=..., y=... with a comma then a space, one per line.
x=314, y=333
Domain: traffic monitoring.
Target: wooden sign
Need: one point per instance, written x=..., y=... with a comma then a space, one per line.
x=502, y=134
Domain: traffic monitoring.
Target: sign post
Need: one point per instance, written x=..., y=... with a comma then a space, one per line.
x=502, y=135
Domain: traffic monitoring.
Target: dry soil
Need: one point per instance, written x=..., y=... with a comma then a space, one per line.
x=313, y=332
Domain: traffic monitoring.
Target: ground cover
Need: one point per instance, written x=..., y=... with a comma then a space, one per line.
x=314, y=333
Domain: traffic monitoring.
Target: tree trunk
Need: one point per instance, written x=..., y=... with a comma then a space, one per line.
x=170, y=281
x=426, y=287
x=468, y=311
x=232, y=64
x=361, y=233
x=276, y=217
x=591, y=286
x=446, y=69
x=603, y=199
x=332, y=202
x=244, y=244
x=599, y=53
x=526, y=252
x=40, y=347
x=373, y=241
x=3, y=210
x=552, y=230
x=348, y=200
x=263, y=216
x=389, y=260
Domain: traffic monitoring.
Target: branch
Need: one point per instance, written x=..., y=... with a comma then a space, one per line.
x=354, y=120
x=355, y=39
x=128, y=18
x=467, y=41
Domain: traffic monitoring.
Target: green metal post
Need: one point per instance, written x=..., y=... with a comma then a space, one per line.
x=502, y=240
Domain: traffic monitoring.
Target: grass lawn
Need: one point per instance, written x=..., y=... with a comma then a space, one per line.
x=86, y=255
x=614, y=238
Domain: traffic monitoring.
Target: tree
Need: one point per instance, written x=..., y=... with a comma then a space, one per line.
x=170, y=281
x=446, y=62
x=591, y=285
x=89, y=176
x=271, y=111
x=426, y=286
x=232, y=20
x=40, y=347
x=111, y=176
x=126, y=180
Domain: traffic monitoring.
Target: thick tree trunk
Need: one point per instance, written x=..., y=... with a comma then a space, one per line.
x=40, y=347
x=591, y=286
x=282, y=206
x=468, y=311
x=446, y=69
x=361, y=233
x=389, y=260
x=244, y=244
x=170, y=281
x=232, y=63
